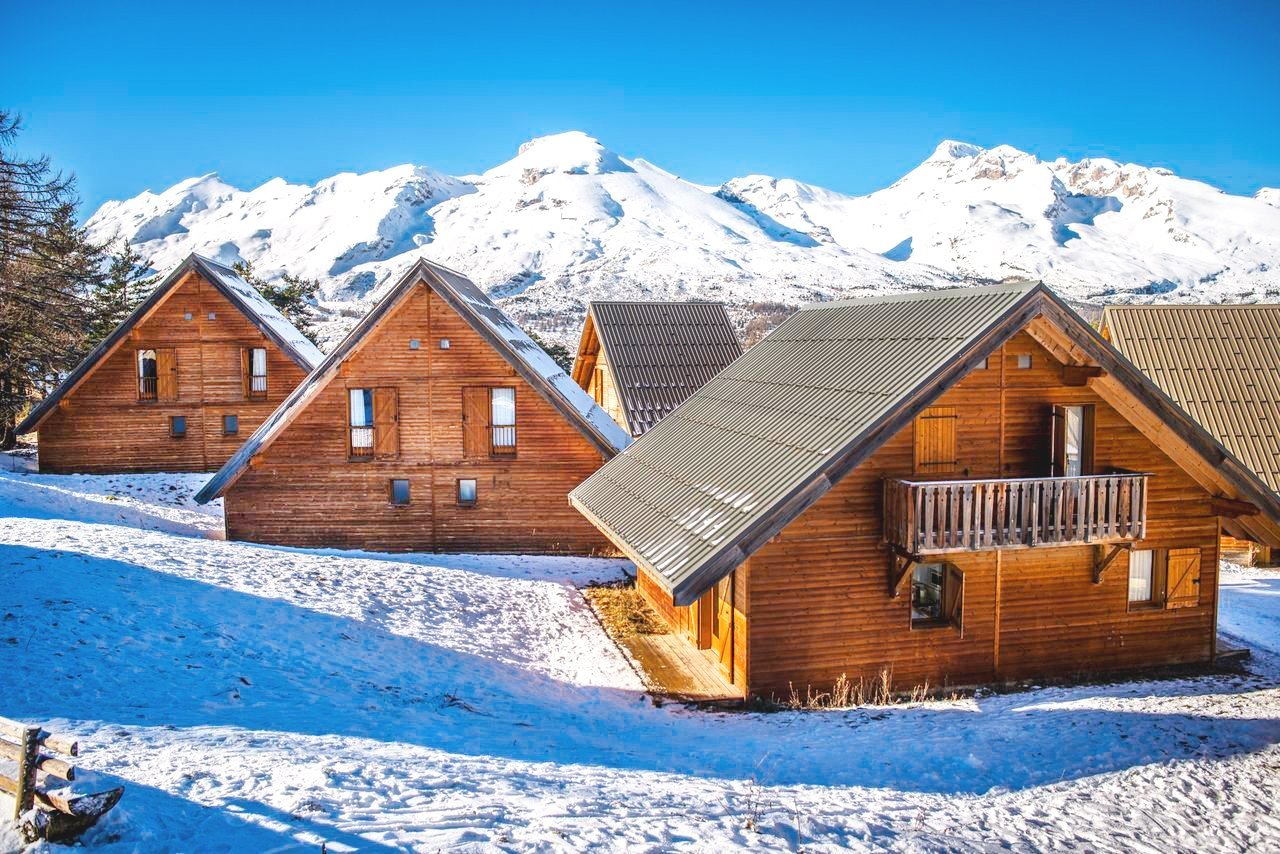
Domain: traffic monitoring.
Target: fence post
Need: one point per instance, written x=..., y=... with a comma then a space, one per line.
x=25, y=797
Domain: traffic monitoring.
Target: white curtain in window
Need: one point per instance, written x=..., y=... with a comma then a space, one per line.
x=361, y=407
x=503, y=402
x=1074, y=434
x=259, y=362
x=1140, y=566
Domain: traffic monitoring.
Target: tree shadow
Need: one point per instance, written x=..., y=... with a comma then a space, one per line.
x=97, y=640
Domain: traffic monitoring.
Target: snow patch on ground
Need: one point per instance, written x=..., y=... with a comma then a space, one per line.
x=256, y=698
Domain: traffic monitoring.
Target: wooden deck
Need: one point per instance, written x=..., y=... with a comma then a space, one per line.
x=672, y=668
x=1229, y=653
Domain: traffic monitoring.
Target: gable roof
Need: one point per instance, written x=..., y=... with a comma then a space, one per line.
x=227, y=282
x=1221, y=363
x=529, y=360
x=774, y=431
x=658, y=352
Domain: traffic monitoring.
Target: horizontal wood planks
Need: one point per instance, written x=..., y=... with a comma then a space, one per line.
x=103, y=427
x=816, y=605
x=304, y=491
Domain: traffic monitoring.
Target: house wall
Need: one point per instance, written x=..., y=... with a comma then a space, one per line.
x=101, y=426
x=815, y=601
x=304, y=491
x=603, y=388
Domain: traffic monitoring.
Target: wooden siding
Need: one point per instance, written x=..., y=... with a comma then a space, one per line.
x=817, y=593
x=678, y=619
x=304, y=491
x=102, y=427
x=603, y=389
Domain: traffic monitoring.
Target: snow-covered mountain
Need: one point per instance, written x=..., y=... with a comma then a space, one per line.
x=566, y=220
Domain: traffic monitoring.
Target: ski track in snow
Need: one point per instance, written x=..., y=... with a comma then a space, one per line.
x=260, y=698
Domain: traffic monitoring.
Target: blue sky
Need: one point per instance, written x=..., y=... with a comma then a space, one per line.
x=133, y=96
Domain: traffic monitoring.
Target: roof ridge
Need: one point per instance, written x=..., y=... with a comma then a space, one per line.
x=1023, y=286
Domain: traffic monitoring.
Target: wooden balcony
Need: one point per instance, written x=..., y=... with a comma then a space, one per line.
x=936, y=517
x=147, y=388
x=502, y=440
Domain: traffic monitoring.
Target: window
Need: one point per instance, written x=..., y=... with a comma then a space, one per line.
x=935, y=440
x=147, y=387
x=502, y=419
x=414, y=343
x=177, y=426
x=1024, y=361
x=936, y=595
x=253, y=361
x=230, y=425
x=466, y=492
x=400, y=492
x=360, y=401
x=1073, y=428
x=1164, y=578
x=986, y=364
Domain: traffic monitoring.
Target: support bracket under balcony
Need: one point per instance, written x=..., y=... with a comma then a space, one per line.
x=1100, y=565
x=900, y=563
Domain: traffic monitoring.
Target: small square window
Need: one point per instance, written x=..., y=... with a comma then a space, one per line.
x=186, y=315
x=230, y=425
x=1024, y=361
x=177, y=426
x=936, y=595
x=400, y=492
x=414, y=343
x=466, y=492
x=444, y=343
x=213, y=315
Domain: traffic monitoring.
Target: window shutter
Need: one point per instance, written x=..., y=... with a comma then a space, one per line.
x=386, y=423
x=1058, y=442
x=475, y=421
x=246, y=356
x=166, y=374
x=1086, y=440
x=935, y=440
x=1183, y=574
x=953, y=596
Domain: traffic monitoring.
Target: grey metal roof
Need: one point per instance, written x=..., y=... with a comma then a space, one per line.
x=489, y=321
x=240, y=293
x=770, y=434
x=658, y=352
x=1221, y=363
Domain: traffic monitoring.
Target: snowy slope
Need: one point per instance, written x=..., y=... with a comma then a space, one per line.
x=253, y=698
x=567, y=220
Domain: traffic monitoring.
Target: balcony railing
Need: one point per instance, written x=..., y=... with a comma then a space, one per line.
x=502, y=440
x=362, y=442
x=257, y=386
x=932, y=517
x=147, y=388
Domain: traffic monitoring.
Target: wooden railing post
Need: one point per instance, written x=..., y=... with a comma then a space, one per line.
x=28, y=762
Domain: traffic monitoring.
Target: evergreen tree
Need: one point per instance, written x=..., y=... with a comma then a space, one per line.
x=48, y=269
x=126, y=286
x=293, y=296
x=559, y=353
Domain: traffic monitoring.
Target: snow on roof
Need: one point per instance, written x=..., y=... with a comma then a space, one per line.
x=252, y=302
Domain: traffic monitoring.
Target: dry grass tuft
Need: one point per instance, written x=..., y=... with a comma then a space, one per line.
x=622, y=610
x=846, y=693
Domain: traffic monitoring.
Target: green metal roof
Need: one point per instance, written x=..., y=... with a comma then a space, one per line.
x=768, y=435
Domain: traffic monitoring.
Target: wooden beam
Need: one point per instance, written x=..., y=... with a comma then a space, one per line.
x=1101, y=564
x=1079, y=375
x=1232, y=508
x=898, y=573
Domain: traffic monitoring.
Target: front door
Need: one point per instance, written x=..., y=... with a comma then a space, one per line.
x=722, y=626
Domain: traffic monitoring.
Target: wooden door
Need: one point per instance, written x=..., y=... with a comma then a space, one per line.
x=1182, y=571
x=475, y=422
x=386, y=423
x=722, y=626
x=935, y=440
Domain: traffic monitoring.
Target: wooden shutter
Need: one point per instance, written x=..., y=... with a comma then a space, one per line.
x=1183, y=578
x=166, y=374
x=935, y=439
x=246, y=369
x=953, y=596
x=1086, y=439
x=475, y=422
x=1058, y=443
x=386, y=423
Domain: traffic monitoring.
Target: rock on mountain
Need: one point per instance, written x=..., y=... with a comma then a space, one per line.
x=567, y=220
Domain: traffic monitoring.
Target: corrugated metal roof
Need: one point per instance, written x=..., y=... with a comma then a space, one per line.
x=226, y=281
x=686, y=496
x=489, y=321
x=661, y=352
x=1220, y=363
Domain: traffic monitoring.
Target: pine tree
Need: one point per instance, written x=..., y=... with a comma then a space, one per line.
x=294, y=296
x=126, y=286
x=48, y=269
x=559, y=353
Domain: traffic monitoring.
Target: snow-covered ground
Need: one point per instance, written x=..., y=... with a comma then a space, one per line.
x=257, y=698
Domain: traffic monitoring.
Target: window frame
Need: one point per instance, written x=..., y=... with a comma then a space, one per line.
x=173, y=421
x=475, y=491
x=236, y=420
x=949, y=571
x=1156, y=600
x=250, y=393
x=506, y=452
x=391, y=492
x=139, y=376
x=352, y=456
x=1018, y=361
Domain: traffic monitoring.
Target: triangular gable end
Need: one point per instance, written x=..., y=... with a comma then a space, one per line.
x=485, y=318
x=243, y=296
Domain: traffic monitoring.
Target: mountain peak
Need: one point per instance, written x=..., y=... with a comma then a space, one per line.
x=950, y=149
x=1270, y=195
x=572, y=152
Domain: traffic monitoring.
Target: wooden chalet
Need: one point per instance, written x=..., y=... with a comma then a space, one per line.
x=640, y=360
x=1221, y=363
x=179, y=384
x=437, y=424
x=954, y=487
